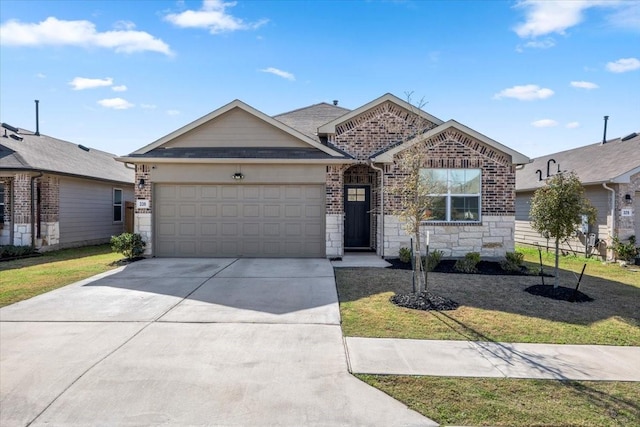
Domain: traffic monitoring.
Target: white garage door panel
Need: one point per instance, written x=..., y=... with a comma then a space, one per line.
x=239, y=220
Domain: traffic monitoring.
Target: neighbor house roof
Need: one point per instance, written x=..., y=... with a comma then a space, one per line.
x=30, y=152
x=311, y=141
x=308, y=119
x=615, y=161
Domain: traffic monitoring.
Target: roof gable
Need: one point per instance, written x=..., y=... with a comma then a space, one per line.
x=331, y=127
x=219, y=124
x=308, y=119
x=443, y=131
x=614, y=161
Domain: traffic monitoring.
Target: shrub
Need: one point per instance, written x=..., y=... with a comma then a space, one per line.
x=405, y=255
x=468, y=263
x=434, y=259
x=12, y=251
x=512, y=261
x=128, y=244
x=626, y=251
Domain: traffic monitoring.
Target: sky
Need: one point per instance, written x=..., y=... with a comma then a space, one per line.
x=536, y=76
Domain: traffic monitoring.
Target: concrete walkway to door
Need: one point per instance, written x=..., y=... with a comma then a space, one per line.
x=244, y=342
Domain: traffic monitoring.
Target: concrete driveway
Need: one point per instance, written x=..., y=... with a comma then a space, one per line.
x=188, y=342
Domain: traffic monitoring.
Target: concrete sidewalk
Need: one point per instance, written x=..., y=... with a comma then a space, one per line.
x=490, y=359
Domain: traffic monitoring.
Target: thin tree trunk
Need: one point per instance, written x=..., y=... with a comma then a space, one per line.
x=556, y=282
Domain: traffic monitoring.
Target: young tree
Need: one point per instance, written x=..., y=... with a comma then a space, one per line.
x=557, y=209
x=415, y=189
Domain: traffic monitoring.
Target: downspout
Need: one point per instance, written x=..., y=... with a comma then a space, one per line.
x=33, y=210
x=374, y=167
x=613, y=209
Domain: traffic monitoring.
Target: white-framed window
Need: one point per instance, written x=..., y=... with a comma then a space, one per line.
x=460, y=199
x=2, y=187
x=117, y=205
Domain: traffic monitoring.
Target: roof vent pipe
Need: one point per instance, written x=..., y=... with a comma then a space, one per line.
x=604, y=137
x=335, y=102
x=37, y=118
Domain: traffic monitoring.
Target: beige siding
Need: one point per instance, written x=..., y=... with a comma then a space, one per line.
x=236, y=128
x=86, y=211
x=525, y=234
x=253, y=174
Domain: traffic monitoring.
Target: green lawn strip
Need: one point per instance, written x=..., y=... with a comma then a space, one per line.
x=509, y=402
x=595, y=267
x=25, y=278
x=492, y=308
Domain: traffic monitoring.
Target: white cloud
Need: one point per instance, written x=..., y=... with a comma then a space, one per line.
x=148, y=106
x=173, y=112
x=120, y=88
x=116, y=103
x=213, y=17
x=544, y=123
x=279, y=73
x=546, y=17
x=41, y=76
x=124, y=25
x=627, y=17
x=55, y=32
x=623, y=65
x=524, y=93
x=584, y=85
x=547, y=43
x=81, y=83
x=572, y=125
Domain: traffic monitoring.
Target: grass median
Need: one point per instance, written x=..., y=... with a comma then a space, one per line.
x=25, y=278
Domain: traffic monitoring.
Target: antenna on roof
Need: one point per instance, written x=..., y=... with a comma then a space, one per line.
x=335, y=102
x=604, y=137
x=37, y=119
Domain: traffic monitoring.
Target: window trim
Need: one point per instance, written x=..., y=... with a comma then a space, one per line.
x=114, y=205
x=3, y=190
x=448, y=199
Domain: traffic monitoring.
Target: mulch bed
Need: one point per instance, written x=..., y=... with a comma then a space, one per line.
x=446, y=266
x=424, y=301
x=561, y=293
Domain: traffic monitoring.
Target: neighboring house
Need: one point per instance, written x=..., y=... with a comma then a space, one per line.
x=55, y=194
x=308, y=183
x=610, y=174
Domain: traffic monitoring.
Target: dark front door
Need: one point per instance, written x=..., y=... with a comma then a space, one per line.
x=357, y=233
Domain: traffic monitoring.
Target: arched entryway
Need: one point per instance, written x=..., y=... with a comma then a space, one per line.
x=360, y=202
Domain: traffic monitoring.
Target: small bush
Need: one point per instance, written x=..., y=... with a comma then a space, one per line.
x=12, y=251
x=405, y=255
x=434, y=259
x=128, y=244
x=626, y=251
x=512, y=262
x=468, y=263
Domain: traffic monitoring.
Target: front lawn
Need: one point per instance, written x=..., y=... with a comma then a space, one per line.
x=25, y=278
x=515, y=402
x=494, y=308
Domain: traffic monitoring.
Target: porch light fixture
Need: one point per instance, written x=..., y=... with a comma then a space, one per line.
x=237, y=176
x=141, y=184
x=627, y=199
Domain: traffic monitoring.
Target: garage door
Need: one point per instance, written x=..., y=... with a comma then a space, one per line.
x=239, y=220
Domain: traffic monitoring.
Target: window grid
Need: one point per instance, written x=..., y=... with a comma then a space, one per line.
x=458, y=206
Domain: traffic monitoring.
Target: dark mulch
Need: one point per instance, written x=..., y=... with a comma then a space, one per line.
x=560, y=293
x=424, y=301
x=126, y=261
x=446, y=266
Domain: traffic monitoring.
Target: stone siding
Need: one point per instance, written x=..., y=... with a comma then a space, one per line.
x=142, y=226
x=335, y=233
x=492, y=239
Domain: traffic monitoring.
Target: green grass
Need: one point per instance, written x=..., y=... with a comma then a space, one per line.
x=515, y=402
x=496, y=308
x=25, y=278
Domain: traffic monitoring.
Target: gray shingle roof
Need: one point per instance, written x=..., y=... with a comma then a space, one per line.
x=595, y=163
x=308, y=119
x=235, y=153
x=44, y=153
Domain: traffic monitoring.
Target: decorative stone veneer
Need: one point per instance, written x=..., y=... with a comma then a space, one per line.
x=492, y=239
x=335, y=232
x=142, y=226
x=625, y=225
x=49, y=236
